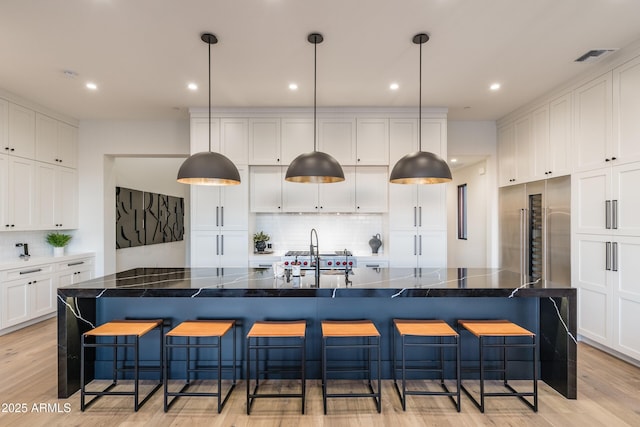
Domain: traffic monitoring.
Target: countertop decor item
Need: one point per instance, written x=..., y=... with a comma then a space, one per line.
x=420, y=167
x=207, y=167
x=58, y=241
x=315, y=167
x=260, y=240
x=375, y=243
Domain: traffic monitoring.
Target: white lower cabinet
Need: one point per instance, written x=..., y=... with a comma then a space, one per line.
x=417, y=248
x=219, y=249
x=75, y=271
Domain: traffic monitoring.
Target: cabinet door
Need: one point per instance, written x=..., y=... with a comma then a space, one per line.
x=66, y=201
x=234, y=204
x=626, y=291
x=372, y=141
x=595, y=296
x=22, y=131
x=432, y=249
x=626, y=110
x=266, y=188
x=21, y=193
x=432, y=207
x=523, y=143
x=15, y=302
x=42, y=295
x=590, y=191
x=296, y=138
x=4, y=192
x=205, y=250
x=506, y=155
x=539, y=148
x=403, y=207
x=338, y=196
x=200, y=135
x=205, y=207
x=300, y=197
x=264, y=141
x=337, y=137
x=403, y=249
x=403, y=139
x=625, y=180
x=434, y=136
x=558, y=153
x=46, y=193
x=67, y=145
x=234, y=249
x=4, y=126
x=46, y=139
x=372, y=183
x=234, y=140
x=593, y=116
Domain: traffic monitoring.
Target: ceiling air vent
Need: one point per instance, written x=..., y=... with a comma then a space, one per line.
x=595, y=54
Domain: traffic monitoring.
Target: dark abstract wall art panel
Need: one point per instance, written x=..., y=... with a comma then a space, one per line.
x=129, y=218
x=155, y=218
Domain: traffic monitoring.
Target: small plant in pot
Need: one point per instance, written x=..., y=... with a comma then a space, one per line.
x=260, y=241
x=58, y=241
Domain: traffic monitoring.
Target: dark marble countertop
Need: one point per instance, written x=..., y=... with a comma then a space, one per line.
x=361, y=282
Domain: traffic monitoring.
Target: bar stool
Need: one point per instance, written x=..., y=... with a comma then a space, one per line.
x=414, y=333
x=181, y=337
x=115, y=329
x=288, y=335
x=351, y=334
x=494, y=334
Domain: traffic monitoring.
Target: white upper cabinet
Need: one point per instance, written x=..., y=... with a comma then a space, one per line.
x=200, y=135
x=403, y=139
x=372, y=141
x=234, y=140
x=300, y=197
x=539, y=148
x=592, y=123
x=371, y=182
x=626, y=112
x=506, y=155
x=434, y=136
x=20, y=195
x=221, y=207
x=338, y=196
x=265, y=188
x=558, y=158
x=56, y=142
x=264, y=141
x=337, y=137
x=4, y=126
x=523, y=145
x=22, y=132
x=296, y=138
x=4, y=191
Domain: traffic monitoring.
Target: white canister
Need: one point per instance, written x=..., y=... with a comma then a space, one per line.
x=295, y=270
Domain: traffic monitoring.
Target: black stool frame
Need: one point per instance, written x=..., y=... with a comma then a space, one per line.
x=406, y=342
x=188, y=345
x=136, y=368
x=504, y=345
x=370, y=343
x=257, y=346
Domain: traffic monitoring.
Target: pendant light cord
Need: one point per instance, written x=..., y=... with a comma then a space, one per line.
x=420, y=104
x=315, y=78
x=209, y=97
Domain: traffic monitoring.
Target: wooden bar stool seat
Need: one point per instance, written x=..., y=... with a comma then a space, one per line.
x=270, y=336
x=199, y=334
x=127, y=329
x=351, y=334
x=497, y=334
x=421, y=333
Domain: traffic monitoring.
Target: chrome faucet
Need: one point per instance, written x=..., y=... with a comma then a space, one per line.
x=316, y=263
x=25, y=247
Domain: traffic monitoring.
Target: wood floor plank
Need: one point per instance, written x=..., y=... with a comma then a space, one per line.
x=608, y=395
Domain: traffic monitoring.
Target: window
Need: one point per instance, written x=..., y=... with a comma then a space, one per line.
x=462, y=212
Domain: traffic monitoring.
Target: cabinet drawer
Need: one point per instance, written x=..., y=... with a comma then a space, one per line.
x=75, y=264
x=29, y=271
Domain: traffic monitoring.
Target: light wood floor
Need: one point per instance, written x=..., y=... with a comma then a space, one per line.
x=608, y=395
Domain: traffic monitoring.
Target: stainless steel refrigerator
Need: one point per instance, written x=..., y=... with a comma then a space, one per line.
x=535, y=229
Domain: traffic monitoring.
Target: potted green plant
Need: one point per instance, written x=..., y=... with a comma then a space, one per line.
x=260, y=241
x=58, y=241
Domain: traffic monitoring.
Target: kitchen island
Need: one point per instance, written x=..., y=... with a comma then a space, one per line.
x=178, y=294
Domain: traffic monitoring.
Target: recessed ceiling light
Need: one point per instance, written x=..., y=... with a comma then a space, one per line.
x=394, y=86
x=192, y=86
x=293, y=86
x=494, y=86
x=454, y=160
x=92, y=86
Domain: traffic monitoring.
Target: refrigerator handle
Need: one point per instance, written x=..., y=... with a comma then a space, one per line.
x=217, y=244
x=614, y=214
x=608, y=257
x=217, y=215
x=521, y=241
x=607, y=214
x=420, y=217
x=222, y=244
x=420, y=245
x=415, y=247
x=415, y=218
x=614, y=257
x=545, y=241
x=221, y=216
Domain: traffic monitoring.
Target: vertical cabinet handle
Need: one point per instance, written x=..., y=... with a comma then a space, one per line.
x=221, y=216
x=608, y=257
x=420, y=216
x=607, y=214
x=614, y=214
x=222, y=245
x=614, y=257
x=420, y=245
x=415, y=219
x=217, y=215
x=217, y=244
x=415, y=249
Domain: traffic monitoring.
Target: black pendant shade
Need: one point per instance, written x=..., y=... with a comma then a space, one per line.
x=207, y=167
x=420, y=167
x=315, y=167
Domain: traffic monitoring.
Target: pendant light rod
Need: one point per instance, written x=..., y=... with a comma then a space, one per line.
x=209, y=39
x=316, y=39
x=420, y=39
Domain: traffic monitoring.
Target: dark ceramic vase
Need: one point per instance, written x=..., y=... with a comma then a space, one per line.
x=260, y=246
x=375, y=243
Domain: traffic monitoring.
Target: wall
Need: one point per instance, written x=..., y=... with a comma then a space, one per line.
x=471, y=252
x=154, y=175
x=100, y=142
x=477, y=139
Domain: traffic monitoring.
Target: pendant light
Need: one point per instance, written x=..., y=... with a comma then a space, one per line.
x=207, y=167
x=420, y=167
x=314, y=167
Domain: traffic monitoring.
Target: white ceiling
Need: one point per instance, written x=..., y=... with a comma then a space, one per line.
x=142, y=53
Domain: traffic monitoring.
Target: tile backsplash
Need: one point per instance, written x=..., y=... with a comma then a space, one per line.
x=38, y=246
x=335, y=232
